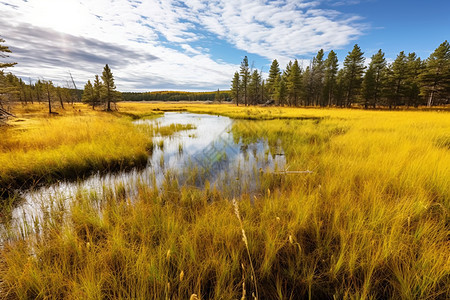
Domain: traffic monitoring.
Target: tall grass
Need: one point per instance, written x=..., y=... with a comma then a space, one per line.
x=370, y=222
x=39, y=148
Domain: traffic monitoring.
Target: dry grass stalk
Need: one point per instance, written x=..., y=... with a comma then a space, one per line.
x=244, y=238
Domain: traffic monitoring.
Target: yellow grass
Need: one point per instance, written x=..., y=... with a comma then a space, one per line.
x=370, y=222
x=38, y=147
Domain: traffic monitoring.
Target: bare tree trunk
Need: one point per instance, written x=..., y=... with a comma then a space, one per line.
x=49, y=99
x=61, y=100
x=430, y=99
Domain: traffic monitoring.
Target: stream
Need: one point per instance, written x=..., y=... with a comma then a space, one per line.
x=207, y=153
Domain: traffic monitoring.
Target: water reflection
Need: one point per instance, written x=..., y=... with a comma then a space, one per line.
x=194, y=157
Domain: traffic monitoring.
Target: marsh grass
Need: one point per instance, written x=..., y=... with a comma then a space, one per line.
x=172, y=128
x=45, y=148
x=370, y=222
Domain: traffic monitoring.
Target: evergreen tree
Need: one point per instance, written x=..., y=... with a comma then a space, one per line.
x=378, y=64
x=3, y=50
x=287, y=71
x=21, y=87
x=12, y=88
x=435, y=79
x=354, y=68
x=88, y=95
x=254, y=87
x=38, y=89
x=340, y=88
x=109, y=88
x=294, y=83
x=245, y=76
x=397, y=73
x=235, y=87
x=263, y=93
x=281, y=90
x=307, y=84
x=368, y=86
x=5, y=88
x=414, y=67
x=374, y=80
x=274, y=73
x=98, y=87
x=30, y=90
x=317, y=77
x=331, y=69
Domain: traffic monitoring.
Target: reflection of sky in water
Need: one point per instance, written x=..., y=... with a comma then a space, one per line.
x=208, y=153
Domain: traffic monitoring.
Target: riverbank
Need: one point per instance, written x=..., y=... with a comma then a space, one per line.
x=37, y=148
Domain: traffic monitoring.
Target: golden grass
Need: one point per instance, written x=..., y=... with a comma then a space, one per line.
x=370, y=222
x=38, y=147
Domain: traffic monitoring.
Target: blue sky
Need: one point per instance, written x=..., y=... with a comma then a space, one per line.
x=197, y=45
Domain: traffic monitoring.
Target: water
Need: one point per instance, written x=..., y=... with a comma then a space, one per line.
x=207, y=153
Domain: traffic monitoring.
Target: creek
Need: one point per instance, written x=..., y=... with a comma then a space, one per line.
x=207, y=154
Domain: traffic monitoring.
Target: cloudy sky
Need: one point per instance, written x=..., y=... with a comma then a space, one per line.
x=198, y=45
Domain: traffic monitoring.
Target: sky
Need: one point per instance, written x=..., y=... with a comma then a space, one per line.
x=197, y=45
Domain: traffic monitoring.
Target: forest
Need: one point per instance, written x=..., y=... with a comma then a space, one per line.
x=408, y=81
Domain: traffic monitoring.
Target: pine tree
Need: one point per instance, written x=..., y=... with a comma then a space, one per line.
x=281, y=90
x=340, y=88
x=435, y=79
x=294, y=83
x=317, y=74
x=11, y=88
x=287, y=71
x=274, y=72
x=368, y=87
x=374, y=80
x=396, y=80
x=254, y=87
x=4, y=49
x=109, y=88
x=235, y=87
x=4, y=87
x=307, y=84
x=354, y=68
x=378, y=64
x=414, y=67
x=331, y=69
x=38, y=88
x=21, y=87
x=245, y=76
x=263, y=93
x=88, y=94
x=98, y=87
x=30, y=90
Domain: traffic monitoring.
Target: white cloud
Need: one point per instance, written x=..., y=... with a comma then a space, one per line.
x=80, y=34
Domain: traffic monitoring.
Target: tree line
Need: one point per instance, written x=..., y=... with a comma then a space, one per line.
x=177, y=96
x=14, y=89
x=407, y=81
